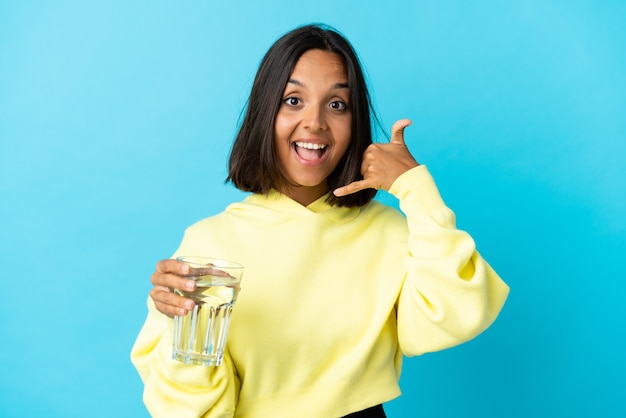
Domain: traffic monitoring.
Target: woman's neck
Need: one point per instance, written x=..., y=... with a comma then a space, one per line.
x=305, y=195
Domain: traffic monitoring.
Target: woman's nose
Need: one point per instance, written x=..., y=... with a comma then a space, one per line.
x=314, y=118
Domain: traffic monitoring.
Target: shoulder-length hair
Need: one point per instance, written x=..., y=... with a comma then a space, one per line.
x=253, y=165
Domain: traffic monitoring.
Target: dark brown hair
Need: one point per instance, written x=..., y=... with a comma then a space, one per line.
x=253, y=164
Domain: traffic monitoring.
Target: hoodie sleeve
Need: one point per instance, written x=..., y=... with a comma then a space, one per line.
x=450, y=293
x=174, y=389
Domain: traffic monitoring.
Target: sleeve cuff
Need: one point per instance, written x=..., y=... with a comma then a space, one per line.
x=420, y=199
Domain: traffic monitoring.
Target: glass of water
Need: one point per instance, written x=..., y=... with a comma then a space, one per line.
x=200, y=336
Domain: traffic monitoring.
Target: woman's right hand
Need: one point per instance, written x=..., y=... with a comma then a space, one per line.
x=169, y=275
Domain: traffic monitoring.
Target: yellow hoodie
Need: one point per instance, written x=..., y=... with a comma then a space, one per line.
x=331, y=300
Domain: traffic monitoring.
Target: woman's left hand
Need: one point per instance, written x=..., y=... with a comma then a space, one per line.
x=383, y=163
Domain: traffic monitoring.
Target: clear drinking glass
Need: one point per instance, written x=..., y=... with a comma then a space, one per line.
x=200, y=336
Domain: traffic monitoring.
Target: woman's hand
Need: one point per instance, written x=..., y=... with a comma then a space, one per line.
x=383, y=163
x=169, y=275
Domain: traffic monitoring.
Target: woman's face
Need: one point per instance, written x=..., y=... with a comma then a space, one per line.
x=313, y=125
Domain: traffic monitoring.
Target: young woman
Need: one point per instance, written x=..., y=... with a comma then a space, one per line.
x=337, y=287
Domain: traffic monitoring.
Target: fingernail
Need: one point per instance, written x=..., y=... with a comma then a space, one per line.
x=189, y=304
x=182, y=312
x=184, y=268
x=190, y=284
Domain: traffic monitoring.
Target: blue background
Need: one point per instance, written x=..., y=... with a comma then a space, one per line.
x=115, y=123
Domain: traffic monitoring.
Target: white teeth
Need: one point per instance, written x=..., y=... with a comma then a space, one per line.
x=308, y=145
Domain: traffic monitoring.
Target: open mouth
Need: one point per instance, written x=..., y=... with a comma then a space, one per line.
x=309, y=151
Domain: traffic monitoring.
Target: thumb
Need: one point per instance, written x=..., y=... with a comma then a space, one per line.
x=397, y=131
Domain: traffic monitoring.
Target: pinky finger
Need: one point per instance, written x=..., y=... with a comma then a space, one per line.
x=170, y=310
x=351, y=188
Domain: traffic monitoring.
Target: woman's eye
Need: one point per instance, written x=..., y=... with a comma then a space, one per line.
x=292, y=101
x=338, y=105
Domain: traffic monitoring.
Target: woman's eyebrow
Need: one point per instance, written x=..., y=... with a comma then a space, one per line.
x=335, y=86
x=296, y=82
